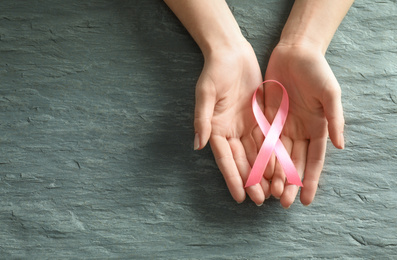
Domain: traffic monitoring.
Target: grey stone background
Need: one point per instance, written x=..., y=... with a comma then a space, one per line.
x=96, y=138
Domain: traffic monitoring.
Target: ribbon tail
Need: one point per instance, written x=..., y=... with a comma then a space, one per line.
x=259, y=166
x=288, y=166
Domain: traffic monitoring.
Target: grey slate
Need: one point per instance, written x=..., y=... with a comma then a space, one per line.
x=96, y=138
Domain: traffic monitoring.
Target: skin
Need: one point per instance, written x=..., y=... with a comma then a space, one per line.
x=298, y=62
x=230, y=75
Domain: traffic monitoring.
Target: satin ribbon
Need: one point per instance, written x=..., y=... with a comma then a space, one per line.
x=272, y=142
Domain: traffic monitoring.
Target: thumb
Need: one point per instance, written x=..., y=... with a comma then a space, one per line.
x=205, y=103
x=333, y=110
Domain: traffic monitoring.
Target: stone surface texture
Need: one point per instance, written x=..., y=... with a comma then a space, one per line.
x=96, y=139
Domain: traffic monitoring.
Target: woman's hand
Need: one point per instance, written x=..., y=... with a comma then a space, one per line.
x=230, y=75
x=315, y=96
x=315, y=111
x=223, y=115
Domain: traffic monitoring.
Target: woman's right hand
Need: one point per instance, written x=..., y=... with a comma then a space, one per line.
x=223, y=115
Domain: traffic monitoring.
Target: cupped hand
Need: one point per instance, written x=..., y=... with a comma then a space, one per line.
x=315, y=112
x=223, y=115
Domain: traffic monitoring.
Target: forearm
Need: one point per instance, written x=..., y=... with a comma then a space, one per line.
x=314, y=22
x=210, y=23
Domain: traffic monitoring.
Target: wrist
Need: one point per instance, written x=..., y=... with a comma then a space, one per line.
x=223, y=47
x=210, y=23
x=223, y=33
x=232, y=56
x=301, y=41
x=313, y=23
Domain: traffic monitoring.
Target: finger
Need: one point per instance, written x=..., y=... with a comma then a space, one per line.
x=314, y=166
x=257, y=135
x=224, y=159
x=266, y=187
x=270, y=168
x=298, y=156
x=333, y=110
x=250, y=148
x=255, y=192
x=205, y=103
x=278, y=180
x=258, y=138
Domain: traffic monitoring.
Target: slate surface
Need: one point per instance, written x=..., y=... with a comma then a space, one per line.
x=96, y=158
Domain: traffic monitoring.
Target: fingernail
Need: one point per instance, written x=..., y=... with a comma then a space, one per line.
x=259, y=204
x=196, y=142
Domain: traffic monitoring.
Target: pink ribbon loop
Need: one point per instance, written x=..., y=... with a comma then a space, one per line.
x=272, y=142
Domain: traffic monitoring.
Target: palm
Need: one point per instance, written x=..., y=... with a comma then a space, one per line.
x=313, y=91
x=223, y=97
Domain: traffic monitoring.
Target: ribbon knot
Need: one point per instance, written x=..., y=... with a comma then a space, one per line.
x=272, y=142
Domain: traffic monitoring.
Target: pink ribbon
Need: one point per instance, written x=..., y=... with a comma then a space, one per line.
x=272, y=142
